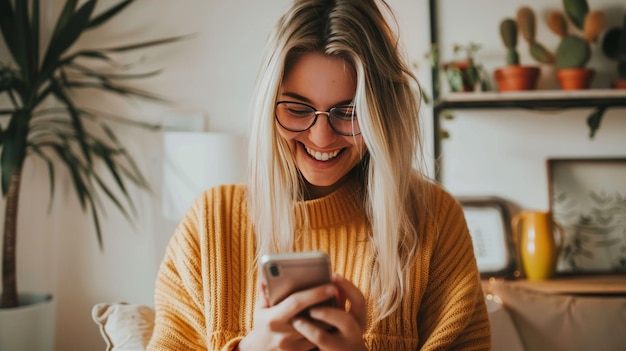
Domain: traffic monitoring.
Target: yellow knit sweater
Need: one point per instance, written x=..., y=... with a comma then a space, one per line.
x=207, y=284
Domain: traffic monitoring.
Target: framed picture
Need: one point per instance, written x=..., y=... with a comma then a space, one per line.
x=488, y=220
x=588, y=199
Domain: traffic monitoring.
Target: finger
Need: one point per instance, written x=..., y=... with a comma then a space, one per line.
x=297, y=302
x=311, y=331
x=350, y=292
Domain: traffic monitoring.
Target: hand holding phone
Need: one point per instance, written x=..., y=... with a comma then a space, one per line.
x=285, y=274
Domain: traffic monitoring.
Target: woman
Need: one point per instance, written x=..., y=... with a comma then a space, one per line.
x=333, y=149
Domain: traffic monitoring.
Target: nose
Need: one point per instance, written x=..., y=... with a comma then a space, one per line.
x=321, y=133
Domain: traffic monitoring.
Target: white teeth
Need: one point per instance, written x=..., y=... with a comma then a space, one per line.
x=322, y=156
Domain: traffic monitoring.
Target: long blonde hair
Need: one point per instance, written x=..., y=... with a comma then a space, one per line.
x=387, y=101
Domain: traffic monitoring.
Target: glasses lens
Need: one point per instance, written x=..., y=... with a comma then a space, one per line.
x=344, y=120
x=294, y=116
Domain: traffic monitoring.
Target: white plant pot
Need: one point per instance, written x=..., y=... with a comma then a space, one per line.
x=31, y=326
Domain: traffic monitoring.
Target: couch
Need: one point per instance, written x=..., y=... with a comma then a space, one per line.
x=524, y=317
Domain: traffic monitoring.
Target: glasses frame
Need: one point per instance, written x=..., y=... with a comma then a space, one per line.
x=316, y=113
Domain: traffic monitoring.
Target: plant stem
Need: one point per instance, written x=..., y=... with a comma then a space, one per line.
x=9, y=272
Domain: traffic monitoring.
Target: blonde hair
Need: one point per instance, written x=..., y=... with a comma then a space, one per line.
x=387, y=101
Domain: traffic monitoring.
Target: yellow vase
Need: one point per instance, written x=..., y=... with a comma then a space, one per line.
x=534, y=232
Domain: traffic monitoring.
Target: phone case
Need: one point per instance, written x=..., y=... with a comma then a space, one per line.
x=285, y=274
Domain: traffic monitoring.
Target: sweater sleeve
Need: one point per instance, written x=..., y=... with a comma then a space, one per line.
x=453, y=314
x=179, y=321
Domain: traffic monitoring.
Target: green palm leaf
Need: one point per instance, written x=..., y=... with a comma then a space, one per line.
x=107, y=15
x=66, y=34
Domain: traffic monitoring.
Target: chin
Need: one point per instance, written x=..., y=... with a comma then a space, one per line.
x=316, y=181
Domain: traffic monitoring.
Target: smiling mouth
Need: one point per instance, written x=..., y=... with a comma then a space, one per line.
x=322, y=156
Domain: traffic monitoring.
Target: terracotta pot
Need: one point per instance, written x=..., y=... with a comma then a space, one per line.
x=516, y=78
x=575, y=78
x=619, y=84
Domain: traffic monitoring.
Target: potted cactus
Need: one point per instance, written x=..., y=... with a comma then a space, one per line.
x=574, y=50
x=614, y=47
x=516, y=77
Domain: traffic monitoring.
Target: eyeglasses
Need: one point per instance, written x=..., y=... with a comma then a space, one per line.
x=298, y=117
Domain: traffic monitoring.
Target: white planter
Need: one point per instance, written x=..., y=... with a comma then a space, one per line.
x=31, y=326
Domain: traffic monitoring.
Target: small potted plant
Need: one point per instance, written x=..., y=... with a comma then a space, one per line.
x=466, y=74
x=516, y=77
x=614, y=47
x=574, y=50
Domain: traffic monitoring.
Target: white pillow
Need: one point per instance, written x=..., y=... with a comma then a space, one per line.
x=124, y=326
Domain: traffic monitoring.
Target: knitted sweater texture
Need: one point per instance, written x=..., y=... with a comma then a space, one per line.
x=207, y=284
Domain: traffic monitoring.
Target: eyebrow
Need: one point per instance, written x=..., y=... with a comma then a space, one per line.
x=308, y=101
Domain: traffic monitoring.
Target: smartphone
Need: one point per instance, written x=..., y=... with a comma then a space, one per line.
x=284, y=274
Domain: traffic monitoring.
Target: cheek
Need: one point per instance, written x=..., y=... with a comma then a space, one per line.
x=289, y=137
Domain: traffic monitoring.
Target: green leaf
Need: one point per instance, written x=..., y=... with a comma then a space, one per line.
x=50, y=165
x=66, y=34
x=134, y=174
x=455, y=79
x=10, y=32
x=116, y=89
x=34, y=40
x=92, y=54
x=594, y=120
x=107, y=15
x=64, y=18
x=145, y=44
x=110, y=76
x=96, y=223
x=114, y=199
x=75, y=117
x=72, y=164
x=103, y=152
x=24, y=34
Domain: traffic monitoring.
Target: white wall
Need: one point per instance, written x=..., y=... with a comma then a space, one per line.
x=212, y=75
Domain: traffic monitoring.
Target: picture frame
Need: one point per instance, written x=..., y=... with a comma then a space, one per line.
x=588, y=199
x=489, y=223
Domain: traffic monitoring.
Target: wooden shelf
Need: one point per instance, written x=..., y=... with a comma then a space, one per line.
x=536, y=99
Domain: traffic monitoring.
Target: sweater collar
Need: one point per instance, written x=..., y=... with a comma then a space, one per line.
x=343, y=205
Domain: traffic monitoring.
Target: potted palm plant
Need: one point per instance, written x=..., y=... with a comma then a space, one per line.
x=40, y=118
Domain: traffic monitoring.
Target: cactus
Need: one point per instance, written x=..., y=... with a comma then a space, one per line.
x=574, y=51
x=526, y=24
x=557, y=23
x=508, y=33
x=595, y=22
x=614, y=47
x=576, y=10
